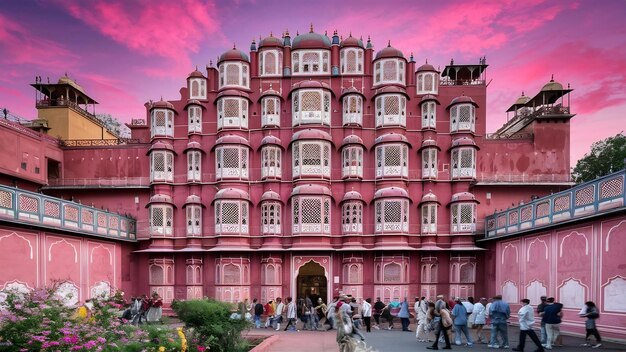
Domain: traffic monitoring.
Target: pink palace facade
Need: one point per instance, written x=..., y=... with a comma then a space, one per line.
x=316, y=165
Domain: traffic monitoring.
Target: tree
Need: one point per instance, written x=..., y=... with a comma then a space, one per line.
x=606, y=156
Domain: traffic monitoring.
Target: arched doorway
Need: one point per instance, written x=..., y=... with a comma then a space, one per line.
x=312, y=282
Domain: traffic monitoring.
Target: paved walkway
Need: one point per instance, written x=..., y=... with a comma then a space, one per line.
x=396, y=341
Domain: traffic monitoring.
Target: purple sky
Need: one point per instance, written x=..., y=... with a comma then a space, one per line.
x=126, y=52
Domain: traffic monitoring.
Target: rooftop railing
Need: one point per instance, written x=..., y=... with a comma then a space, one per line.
x=100, y=182
x=20, y=206
x=523, y=178
x=588, y=199
x=97, y=142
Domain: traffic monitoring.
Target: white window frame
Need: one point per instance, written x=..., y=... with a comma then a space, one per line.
x=163, y=225
x=238, y=121
x=297, y=157
x=383, y=119
x=352, y=217
x=469, y=124
x=193, y=274
x=300, y=227
x=379, y=71
x=429, y=114
x=162, y=128
x=243, y=78
x=194, y=166
x=270, y=117
x=358, y=58
x=301, y=117
x=384, y=170
x=429, y=163
x=243, y=217
x=429, y=218
x=271, y=218
x=194, y=119
x=264, y=63
x=166, y=174
x=271, y=161
x=236, y=172
x=201, y=89
x=301, y=68
x=352, y=109
x=382, y=225
x=194, y=220
x=463, y=217
x=422, y=80
x=463, y=162
x=352, y=161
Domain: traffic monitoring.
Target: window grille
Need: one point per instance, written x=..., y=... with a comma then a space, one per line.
x=351, y=61
x=462, y=118
x=162, y=122
x=463, y=217
x=270, y=111
x=232, y=112
x=352, y=161
x=392, y=273
x=311, y=101
x=197, y=88
x=463, y=163
x=270, y=218
x=231, y=217
x=162, y=166
x=310, y=62
x=391, y=110
x=269, y=63
x=389, y=71
x=429, y=218
x=194, y=114
x=194, y=220
x=231, y=162
x=232, y=274
x=311, y=211
x=193, y=166
x=352, y=110
x=157, y=275
x=232, y=75
x=311, y=214
x=429, y=119
x=429, y=163
x=270, y=166
x=311, y=106
x=392, y=215
x=392, y=160
x=161, y=220
x=352, y=217
x=311, y=158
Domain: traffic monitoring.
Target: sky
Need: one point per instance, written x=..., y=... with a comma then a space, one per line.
x=126, y=52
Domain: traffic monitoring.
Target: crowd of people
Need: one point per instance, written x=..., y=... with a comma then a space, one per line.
x=143, y=309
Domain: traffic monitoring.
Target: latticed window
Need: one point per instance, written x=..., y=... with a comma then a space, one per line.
x=311, y=214
x=392, y=160
x=234, y=74
x=194, y=220
x=389, y=71
x=161, y=220
x=270, y=62
x=391, y=110
x=311, y=106
x=392, y=215
x=161, y=166
x=270, y=218
x=352, y=217
x=194, y=119
x=231, y=162
x=197, y=88
x=429, y=163
x=194, y=166
x=194, y=274
x=426, y=83
x=351, y=61
x=462, y=118
x=429, y=114
x=271, y=162
x=463, y=216
x=392, y=273
x=310, y=62
x=162, y=122
x=311, y=158
x=352, y=161
x=353, y=110
x=429, y=218
x=231, y=216
x=463, y=162
x=353, y=274
x=270, y=111
x=232, y=112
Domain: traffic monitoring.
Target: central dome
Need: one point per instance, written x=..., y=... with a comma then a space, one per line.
x=234, y=55
x=311, y=40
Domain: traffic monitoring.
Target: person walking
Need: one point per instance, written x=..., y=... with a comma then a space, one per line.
x=591, y=313
x=442, y=316
x=278, y=316
x=480, y=319
x=499, y=312
x=526, y=321
x=367, y=314
x=421, y=309
x=540, y=308
x=377, y=312
x=552, y=314
x=404, y=315
x=459, y=313
x=269, y=313
x=292, y=315
x=258, y=311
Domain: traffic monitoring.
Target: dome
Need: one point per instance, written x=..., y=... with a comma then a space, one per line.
x=270, y=41
x=311, y=40
x=429, y=97
x=427, y=143
x=390, y=138
x=162, y=104
x=233, y=55
x=352, y=42
x=196, y=74
x=551, y=86
x=426, y=67
x=231, y=193
x=460, y=100
x=160, y=199
x=270, y=195
x=66, y=80
x=352, y=139
x=522, y=100
x=310, y=84
x=194, y=145
x=161, y=146
x=351, y=90
x=271, y=140
x=390, y=90
x=194, y=102
x=462, y=142
x=391, y=192
x=271, y=92
x=311, y=189
x=193, y=199
x=231, y=139
x=232, y=93
x=463, y=197
x=429, y=197
x=389, y=52
x=311, y=134
x=352, y=195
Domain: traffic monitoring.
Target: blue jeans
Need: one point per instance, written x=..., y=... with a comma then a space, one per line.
x=502, y=329
x=457, y=336
x=544, y=334
x=257, y=320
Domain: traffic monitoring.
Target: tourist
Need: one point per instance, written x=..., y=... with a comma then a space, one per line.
x=278, y=315
x=499, y=312
x=540, y=307
x=269, y=313
x=442, y=316
x=526, y=321
x=367, y=314
x=292, y=314
x=155, y=312
x=321, y=309
x=387, y=314
x=480, y=319
x=357, y=313
x=404, y=315
x=459, y=313
x=552, y=314
x=377, y=312
x=591, y=313
x=258, y=311
x=421, y=309
x=330, y=313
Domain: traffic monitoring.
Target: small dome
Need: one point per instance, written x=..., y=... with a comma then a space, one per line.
x=352, y=42
x=460, y=100
x=352, y=195
x=271, y=140
x=232, y=93
x=463, y=197
x=522, y=100
x=233, y=55
x=194, y=102
x=66, y=80
x=352, y=139
x=429, y=197
x=389, y=52
x=390, y=90
x=351, y=90
x=160, y=145
x=429, y=143
x=311, y=40
x=193, y=145
x=311, y=189
x=232, y=139
x=271, y=92
x=552, y=86
x=193, y=199
x=311, y=134
x=231, y=193
x=390, y=138
x=310, y=84
x=462, y=142
x=160, y=199
x=270, y=195
x=270, y=41
x=162, y=104
x=429, y=97
x=196, y=74
x=391, y=192
x=426, y=67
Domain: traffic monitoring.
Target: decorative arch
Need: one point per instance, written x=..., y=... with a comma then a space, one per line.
x=513, y=247
x=30, y=246
x=608, y=235
x=103, y=247
x=573, y=233
x=530, y=245
x=59, y=242
x=613, y=293
x=572, y=293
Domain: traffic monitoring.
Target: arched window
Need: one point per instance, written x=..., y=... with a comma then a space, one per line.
x=194, y=274
x=311, y=106
x=194, y=166
x=463, y=162
x=389, y=71
x=392, y=160
x=232, y=274
x=270, y=218
x=197, y=88
x=351, y=61
x=231, y=161
x=429, y=218
x=231, y=217
x=462, y=118
x=232, y=113
x=194, y=220
x=157, y=275
x=392, y=215
x=270, y=111
x=310, y=62
x=391, y=110
x=429, y=163
x=427, y=83
x=353, y=110
x=392, y=273
x=352, y=217
x=161, y=166
x=429, y=115
x=463, y=216
x=352, y=161
x=162, y=122
x=311, y=214
x=234, y=74
x=271, y=162
x=311, y=158
x=194, y=121
x=161, y=220
x=270, y=62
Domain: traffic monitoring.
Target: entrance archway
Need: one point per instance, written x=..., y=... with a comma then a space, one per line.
x=312, y=282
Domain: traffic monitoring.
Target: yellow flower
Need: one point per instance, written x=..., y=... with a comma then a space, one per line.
x=161, y=349
x=183, y=340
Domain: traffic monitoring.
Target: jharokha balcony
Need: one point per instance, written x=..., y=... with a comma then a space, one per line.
x=34, y=209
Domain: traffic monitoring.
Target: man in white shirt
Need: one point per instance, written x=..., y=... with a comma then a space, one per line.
x=291, y=314
x=421, y=308
x=367, y=314
x=526, y=321
x=278, y=314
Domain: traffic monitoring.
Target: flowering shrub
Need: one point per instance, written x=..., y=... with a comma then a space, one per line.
x=40, y=321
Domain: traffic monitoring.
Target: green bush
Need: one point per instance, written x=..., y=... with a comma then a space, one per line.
x=209, y=324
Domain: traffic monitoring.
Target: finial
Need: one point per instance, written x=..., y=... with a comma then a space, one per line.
x=361, y=38
x=234, y=46
x=286, y=32
x=297, y=33
x=326, y=32
x=311, y=30
x=389, y=44
x=368, y=38
x=411, y=57
x=522, y=93
x=451, y=62
x=568, y=85
x=161, y=98
x=350, y=36
x=335, y=32
x=196, y=67
x=271, y=34
x=552, y=79
x=210, y=63
x=426, y=61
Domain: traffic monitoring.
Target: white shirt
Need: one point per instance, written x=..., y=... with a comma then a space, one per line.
x=367, y=309
x=480, y=314
x=279, y=308
x=291, y=310
x=526, y=317
x=468, y=306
